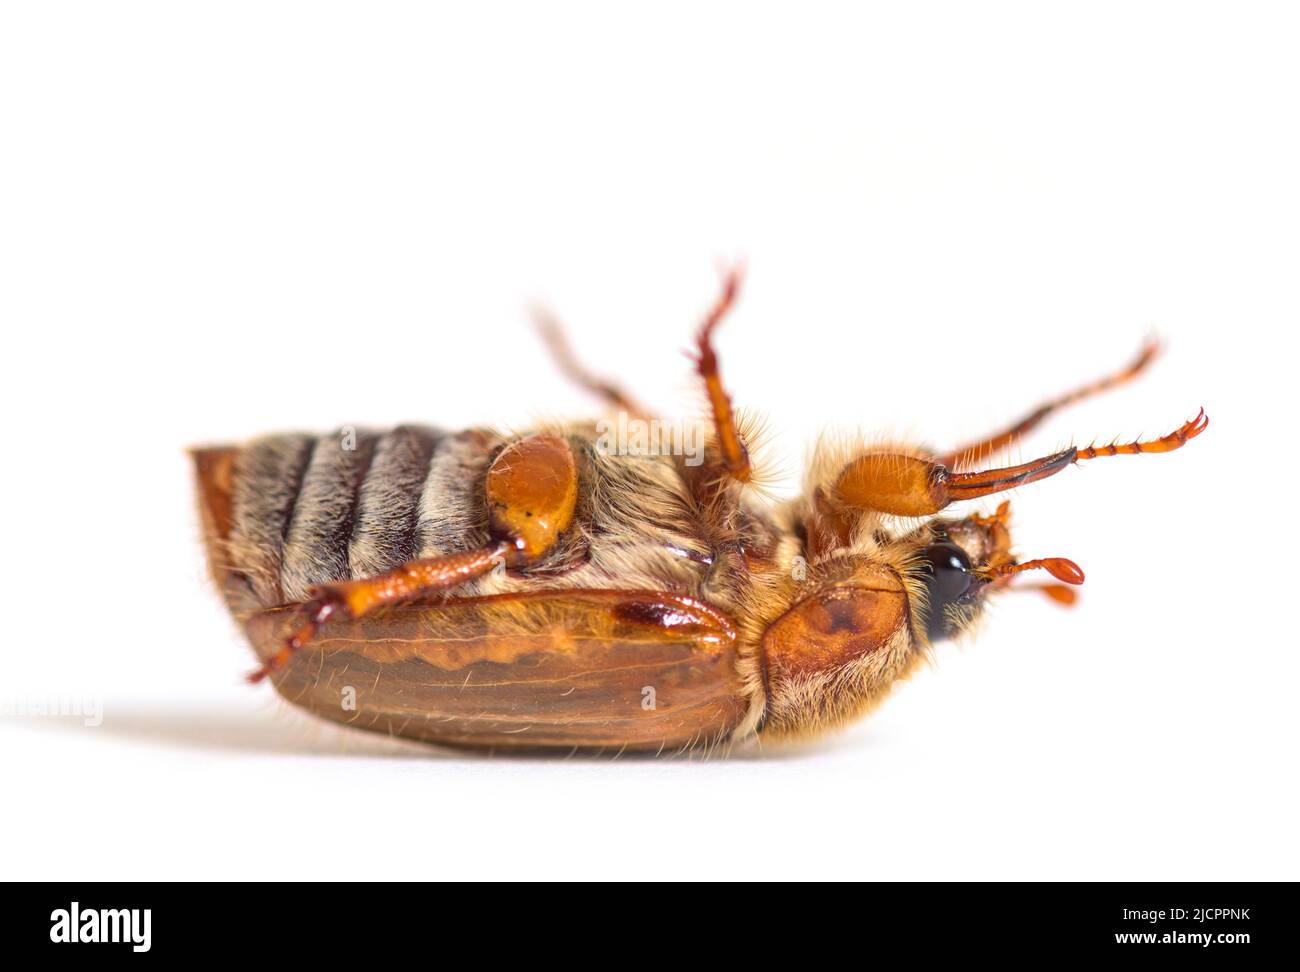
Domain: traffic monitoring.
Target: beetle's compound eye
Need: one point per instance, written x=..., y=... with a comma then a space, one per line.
x=948, y=580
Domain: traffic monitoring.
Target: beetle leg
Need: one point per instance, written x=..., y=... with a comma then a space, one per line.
x=909, y=486
x=735, y=457
x=557, y=343
x=357, y=598
x=984, y=448
x=532, y=489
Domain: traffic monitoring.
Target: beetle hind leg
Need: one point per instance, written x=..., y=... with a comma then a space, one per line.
x=531, y=492
x=357, y=598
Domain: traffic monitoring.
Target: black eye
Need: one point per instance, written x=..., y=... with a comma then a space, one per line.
x=947, y=579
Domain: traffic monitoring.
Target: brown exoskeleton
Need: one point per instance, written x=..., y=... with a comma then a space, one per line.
x=545, y=590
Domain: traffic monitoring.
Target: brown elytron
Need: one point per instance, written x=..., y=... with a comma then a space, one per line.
x=554, y=590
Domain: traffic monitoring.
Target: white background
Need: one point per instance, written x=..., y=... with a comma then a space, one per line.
x=226, y=219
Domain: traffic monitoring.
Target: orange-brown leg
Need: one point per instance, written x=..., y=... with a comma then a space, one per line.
x=557, y=343
x=353, y=599
x=908, y=486
x=531, y=491
x=985, y=448
x=735, y=457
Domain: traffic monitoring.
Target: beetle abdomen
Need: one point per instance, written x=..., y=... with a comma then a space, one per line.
x=308, y=510
x=287, y=512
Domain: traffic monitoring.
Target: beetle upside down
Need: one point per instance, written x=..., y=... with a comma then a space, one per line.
x=543, y=591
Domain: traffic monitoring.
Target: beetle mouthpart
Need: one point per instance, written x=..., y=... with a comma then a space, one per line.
x=1059, y=593
x=1002, y=516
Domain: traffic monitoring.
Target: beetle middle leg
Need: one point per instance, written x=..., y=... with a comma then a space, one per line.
x=986, y=447
x=531, y=491
x=735, y=456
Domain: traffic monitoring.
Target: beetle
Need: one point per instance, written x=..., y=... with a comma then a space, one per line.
x=551, y=590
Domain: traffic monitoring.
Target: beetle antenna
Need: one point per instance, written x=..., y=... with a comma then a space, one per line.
x=1059, y=567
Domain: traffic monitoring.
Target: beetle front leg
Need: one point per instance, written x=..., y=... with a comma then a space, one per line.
x=905, y=485
x=531, y=491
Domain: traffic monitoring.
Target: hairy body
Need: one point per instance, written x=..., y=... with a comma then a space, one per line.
x=543, y=590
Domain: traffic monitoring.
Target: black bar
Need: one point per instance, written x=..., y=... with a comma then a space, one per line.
x=331, y=922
